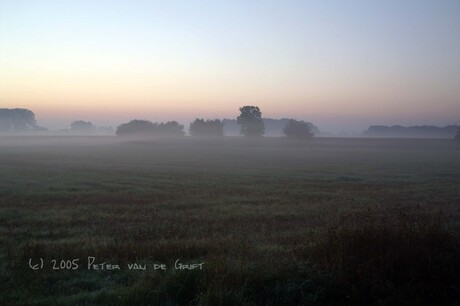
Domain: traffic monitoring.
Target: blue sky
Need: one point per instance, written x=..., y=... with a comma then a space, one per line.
x=340, y=64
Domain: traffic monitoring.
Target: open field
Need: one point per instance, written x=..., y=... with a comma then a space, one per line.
x=277, y=222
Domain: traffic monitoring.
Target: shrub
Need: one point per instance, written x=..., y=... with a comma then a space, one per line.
x=298, y=129
x=147, y=128
x=200, y=127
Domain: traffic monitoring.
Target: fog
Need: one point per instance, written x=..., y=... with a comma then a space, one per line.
x=336, y=125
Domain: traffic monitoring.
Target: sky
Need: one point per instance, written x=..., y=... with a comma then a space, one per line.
x=343, y=65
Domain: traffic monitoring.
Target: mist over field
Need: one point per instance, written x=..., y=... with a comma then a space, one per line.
x=268, y=220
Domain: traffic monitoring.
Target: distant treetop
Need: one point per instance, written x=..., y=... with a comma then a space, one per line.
x=135, y=127
x=423, y=131
x=273, y=127
x=147, y=128
x=250, y=120
x=298, y=129
x=170, y=128
x=17, y=120
x=81, y=125
x=200, y=127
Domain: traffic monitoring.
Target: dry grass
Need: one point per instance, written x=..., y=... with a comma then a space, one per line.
x=323, y=222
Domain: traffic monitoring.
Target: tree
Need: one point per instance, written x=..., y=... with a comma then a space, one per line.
x=250, y=121
x=170, y=128
x=200, y=127
x=82, y=126
x=135, y=127
x=147, y=128
x=298, y=129
x=16, y=120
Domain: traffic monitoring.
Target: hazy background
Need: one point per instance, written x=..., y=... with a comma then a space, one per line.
x=343, y=65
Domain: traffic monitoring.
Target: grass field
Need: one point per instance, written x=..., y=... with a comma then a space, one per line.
x=276, y=222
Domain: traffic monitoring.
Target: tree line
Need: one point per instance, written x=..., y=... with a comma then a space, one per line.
x=422, y=131
x=249, y=120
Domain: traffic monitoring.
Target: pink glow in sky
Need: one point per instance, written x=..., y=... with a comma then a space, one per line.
x=342, y=65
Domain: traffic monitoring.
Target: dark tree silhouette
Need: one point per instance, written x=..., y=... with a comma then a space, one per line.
x=298, y=129
x=170, y=128
x=457, y=136
x=16, y=120
x=200, y=127
x=135, y=127
x=250, y=121
x=273, y=127
x=82, y=126
x=147, y=128
x=422, y=131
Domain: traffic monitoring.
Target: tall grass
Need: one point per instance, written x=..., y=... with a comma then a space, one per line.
x=328, y=222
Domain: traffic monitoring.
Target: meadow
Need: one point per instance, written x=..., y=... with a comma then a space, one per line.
x=327, y=221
